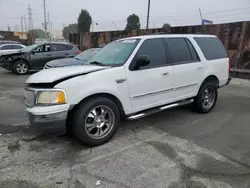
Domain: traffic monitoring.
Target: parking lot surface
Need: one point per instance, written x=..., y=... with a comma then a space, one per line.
x=174, y=149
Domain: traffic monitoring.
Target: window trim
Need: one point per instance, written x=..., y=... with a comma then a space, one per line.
x=132, y=63
x=182, y=62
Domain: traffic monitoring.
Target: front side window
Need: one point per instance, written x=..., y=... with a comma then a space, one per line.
x=178, y=50
x=155, y=50
x=115, y=53
x=6, y=47
x=43, y=48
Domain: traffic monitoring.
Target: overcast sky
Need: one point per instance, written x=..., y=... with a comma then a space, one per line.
x=175, y=12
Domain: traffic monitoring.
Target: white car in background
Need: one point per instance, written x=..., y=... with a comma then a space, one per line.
x=9, y=48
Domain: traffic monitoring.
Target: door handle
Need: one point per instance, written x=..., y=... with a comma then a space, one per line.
x=200, y=67
x=165, y=74
x=48, y=55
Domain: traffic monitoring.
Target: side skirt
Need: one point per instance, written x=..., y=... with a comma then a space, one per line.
x=159, y=109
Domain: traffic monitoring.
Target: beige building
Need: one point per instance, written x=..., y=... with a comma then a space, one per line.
x=57, y=34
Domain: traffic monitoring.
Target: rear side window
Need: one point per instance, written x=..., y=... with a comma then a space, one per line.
x=178, y=50
x=154, y=48
x=16, y=47
x=211, y=47
x=61, y=47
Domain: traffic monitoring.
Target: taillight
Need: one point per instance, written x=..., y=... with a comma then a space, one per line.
x=79, y=52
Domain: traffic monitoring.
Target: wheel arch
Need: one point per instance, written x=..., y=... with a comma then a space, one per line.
x=103, y=94
x=21, y=59
x=211, y=78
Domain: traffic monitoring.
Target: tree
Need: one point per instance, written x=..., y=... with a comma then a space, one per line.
x=84, y=21
x=167, y=27
x=71, y=28
x=37, y=33
x=133, y=23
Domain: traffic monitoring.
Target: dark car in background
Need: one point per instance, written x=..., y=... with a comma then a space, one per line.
x=34, y=57
x=80, y=59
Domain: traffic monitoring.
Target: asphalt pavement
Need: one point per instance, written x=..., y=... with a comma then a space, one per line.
x=174, y=149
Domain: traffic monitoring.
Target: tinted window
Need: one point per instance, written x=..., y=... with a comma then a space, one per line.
x=6, y=47
x=154, y=48
x=61, y=47
x=16, y=47
x=178, y=50
x=211, y=47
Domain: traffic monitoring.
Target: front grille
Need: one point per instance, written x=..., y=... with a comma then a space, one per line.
x=47, y=66
x=29, y=98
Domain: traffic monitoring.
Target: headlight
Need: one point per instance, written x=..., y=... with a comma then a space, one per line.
x=51, y=97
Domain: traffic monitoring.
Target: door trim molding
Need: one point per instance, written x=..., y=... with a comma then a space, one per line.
x=152, y=93
x=187, y=85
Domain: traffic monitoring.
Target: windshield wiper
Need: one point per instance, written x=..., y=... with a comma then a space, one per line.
x=96, y=63
x=76, y=58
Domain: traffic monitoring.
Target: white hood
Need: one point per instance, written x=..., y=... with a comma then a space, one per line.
x=54, y=74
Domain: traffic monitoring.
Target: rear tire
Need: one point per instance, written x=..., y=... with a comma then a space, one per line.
x=96, y=121
x=207, y=97
x=21, y=67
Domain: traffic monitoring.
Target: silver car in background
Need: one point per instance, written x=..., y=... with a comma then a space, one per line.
x=10, y=48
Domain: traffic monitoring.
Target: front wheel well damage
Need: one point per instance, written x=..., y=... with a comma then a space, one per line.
x=106, y=95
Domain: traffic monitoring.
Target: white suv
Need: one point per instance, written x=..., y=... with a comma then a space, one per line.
x=131, y=78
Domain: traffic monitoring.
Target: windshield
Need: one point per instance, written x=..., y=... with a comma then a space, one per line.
x=86, y=55
x=115, y=53
x=29, y=48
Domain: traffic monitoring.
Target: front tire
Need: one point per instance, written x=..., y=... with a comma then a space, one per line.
x=21, y=68
x=96, y=121
x=207, y=97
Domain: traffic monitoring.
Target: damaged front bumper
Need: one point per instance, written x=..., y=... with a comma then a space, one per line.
x=6, y=63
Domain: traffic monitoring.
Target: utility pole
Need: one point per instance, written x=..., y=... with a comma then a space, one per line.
x=45, y=20
x=25, y=23
x=201, y=16
x=22, y=23
x=48, y=26
x=148, y=14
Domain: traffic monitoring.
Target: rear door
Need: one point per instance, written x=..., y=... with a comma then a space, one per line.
x=187, y=67
x=61, y=50
x=152, y=85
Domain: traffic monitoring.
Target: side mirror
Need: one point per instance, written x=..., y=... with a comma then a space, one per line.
x=142, y=60
x=33, y=52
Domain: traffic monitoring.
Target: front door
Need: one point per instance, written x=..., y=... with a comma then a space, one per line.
x=188, y=69
x=152, y=85
x=40, y=56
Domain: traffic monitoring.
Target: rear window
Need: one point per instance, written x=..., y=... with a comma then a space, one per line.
x=211, y=47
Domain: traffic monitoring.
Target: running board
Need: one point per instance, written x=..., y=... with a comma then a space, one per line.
x=159, y=109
